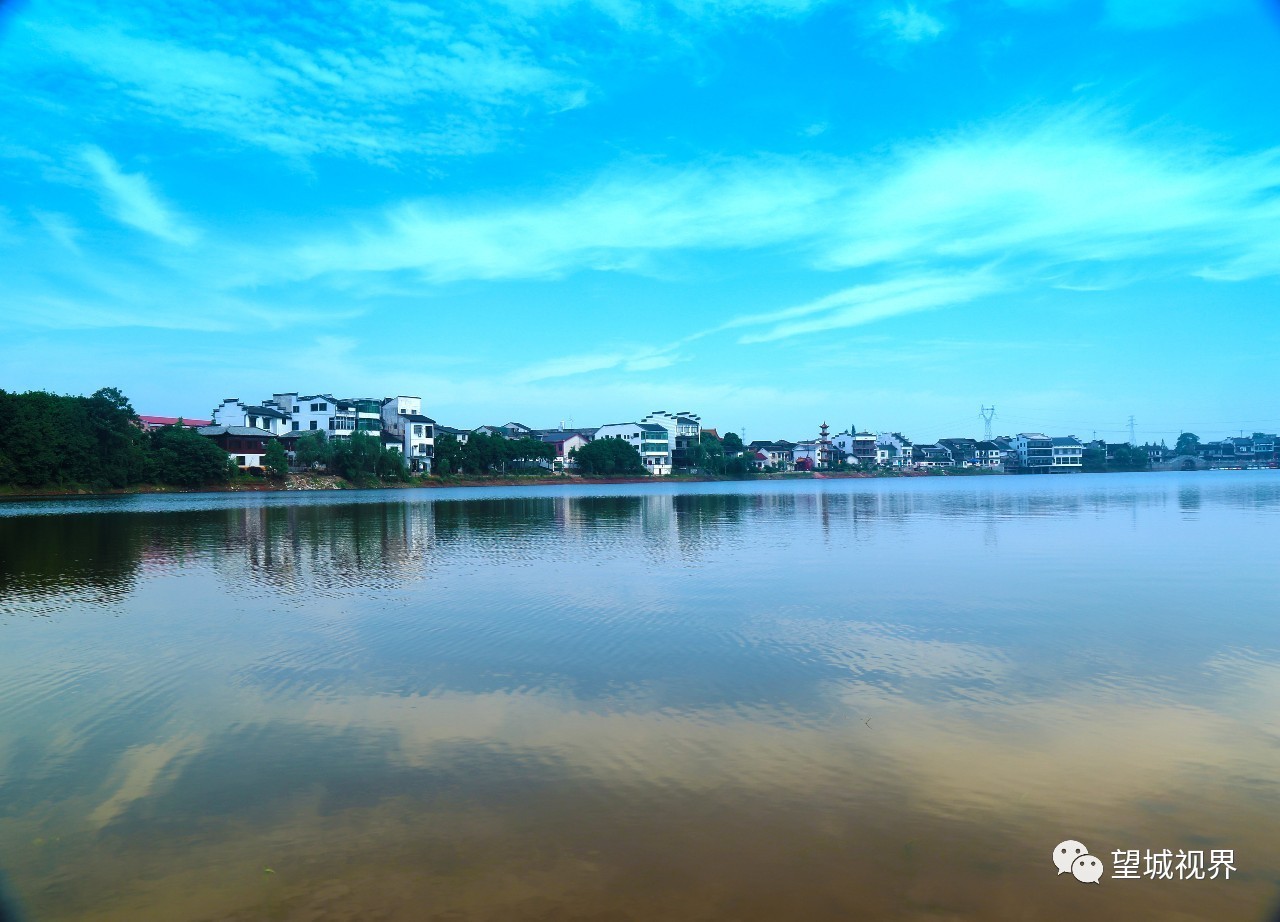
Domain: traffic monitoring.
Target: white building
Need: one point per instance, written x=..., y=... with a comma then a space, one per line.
x=413, y=433
x=1035, y=452
x=990, y=455
x=860, y=446
x=894, y=448
x=565, y=442
x=652, y=441
x=309, y=413
x=684, y=429
x=1068, y=455
x=233, y=412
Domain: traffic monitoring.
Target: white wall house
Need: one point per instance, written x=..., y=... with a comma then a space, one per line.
x=358, y=414
x=1035, y=452
x=684, y=429
x=413, y=433
x=1068, y=455
x=778, y=455
x=564, y=443
x=309, y=412
x=990, y=455
x=860, y=446
x=652, y=441
x=394, y=407
x=896, y=449
x=233, y=412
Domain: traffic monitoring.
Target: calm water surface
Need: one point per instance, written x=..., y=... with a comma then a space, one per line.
x=793, y=701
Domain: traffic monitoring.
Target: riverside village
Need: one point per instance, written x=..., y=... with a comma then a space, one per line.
x=667, y=443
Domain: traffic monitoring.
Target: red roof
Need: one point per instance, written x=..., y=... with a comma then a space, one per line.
x=149, y=422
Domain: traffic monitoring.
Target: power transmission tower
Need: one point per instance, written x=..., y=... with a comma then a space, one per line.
x=1133, y=439
x=987, y=414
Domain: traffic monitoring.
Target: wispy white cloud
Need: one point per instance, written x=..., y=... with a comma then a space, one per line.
x=1050, y=193
x=61, y=228
x=863, y=304
x=131, y=200
x=616, y=223
x=633, y=359
x=368, y=80
x=908, y=24
x=376, y=81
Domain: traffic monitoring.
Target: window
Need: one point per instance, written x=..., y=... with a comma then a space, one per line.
x=404, y=412
x=253, y=421
x=240, y=460
x=315, y=425
x=297, y=425
x=295, y=409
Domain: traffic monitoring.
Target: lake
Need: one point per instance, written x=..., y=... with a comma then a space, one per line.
x=806, y=700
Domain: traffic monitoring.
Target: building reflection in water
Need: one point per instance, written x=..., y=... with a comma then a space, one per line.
x=875, y=700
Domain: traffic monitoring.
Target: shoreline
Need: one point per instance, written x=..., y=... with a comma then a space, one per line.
x=300, y=483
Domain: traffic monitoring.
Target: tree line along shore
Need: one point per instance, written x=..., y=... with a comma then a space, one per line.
x=53, y=444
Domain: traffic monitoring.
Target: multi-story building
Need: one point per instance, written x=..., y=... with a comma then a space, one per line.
x=1264, y=447
x=413, y=433
x=652, y=441
x=233, y=412
x=860, y=447
x=930, y=456
x=683, y=431
x=896, y=449
x=989, y=455
x=363, y=413
x=565, y=442
x=309, y=413
x=1068, y=455
x=246, y=445
x=1035, y=452
x=964, y=451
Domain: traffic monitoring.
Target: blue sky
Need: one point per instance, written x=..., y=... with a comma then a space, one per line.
x=772, y=212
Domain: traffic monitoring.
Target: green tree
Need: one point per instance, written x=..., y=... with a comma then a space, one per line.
x=120, y=458
x=528, y=450
x=733, y=443
x=275, y=460
x=313, y=449
x=1188, y=444
x=448, y=454
x=707, y=454
x=1129, y=458
x=608, y=457
x=363, y=456
x=182, y=457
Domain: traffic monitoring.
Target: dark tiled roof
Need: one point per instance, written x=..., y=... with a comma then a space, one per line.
x=266, y=411
x=418, y=418
x=234, y=430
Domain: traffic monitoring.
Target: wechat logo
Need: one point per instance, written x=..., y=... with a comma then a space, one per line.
x=1071, y=857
